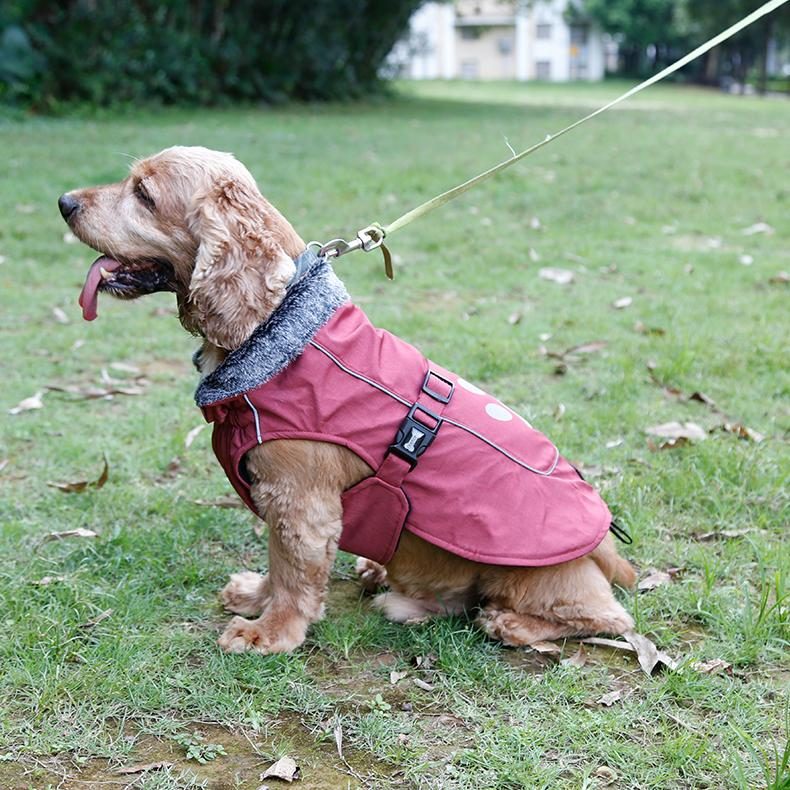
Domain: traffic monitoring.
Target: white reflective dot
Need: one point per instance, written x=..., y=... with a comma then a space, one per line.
x=498, y=412
x=470, y=387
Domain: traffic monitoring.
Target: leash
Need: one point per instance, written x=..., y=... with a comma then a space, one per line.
x=372, y=236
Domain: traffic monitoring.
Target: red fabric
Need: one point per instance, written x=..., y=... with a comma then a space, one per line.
x=468, y=493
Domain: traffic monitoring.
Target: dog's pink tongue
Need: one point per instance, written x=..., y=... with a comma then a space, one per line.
x=89, y=296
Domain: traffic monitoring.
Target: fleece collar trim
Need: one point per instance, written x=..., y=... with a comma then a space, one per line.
x=310, y=302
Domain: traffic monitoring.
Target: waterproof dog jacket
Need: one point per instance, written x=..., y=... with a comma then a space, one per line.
x=453, y=465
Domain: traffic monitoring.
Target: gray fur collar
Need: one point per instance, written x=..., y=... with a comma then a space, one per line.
x=312, y=299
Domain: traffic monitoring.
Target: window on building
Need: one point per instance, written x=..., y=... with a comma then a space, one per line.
x=543, y=30
x=579, y=34
x=470, y=69
x=505, y=45
x=470, y=32
x=543, y=69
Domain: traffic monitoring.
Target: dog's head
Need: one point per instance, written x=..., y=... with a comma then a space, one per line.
x=191, y=221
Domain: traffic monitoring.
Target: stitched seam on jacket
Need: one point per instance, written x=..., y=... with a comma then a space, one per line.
x=493, y=445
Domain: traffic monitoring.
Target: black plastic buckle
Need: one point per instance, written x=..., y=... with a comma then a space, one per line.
x=433, y=393
x=621, y=533
x=415, y=436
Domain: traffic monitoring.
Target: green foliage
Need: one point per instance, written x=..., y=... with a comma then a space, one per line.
x=193, y=51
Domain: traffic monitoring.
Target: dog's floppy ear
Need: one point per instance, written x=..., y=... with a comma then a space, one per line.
x=241, y=270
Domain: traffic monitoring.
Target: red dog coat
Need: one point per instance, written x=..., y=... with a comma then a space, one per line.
x=459, y=469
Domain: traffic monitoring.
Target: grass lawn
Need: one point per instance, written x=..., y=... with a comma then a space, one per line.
x=108, y=649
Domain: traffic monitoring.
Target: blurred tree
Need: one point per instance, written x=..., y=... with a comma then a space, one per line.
x=194, y=51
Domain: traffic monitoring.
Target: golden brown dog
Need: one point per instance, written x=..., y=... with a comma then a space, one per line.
x=192, y=221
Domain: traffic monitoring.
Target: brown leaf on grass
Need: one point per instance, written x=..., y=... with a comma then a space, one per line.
x=222, y=501
x=421, y=684
x=285, y=768
x=703, y=398
x=100, y=618
x=643, y=329
x=90, y=392
x=741, y=431
x=578, y=659
x=678, y=430
x=608, y=699
x=80, y=532
x=601, y=641
x=555, y=275
x=395, y=677
x=143, y=768
x=545, y=647
x=606, y=775
x=758, y=227
x=60, y=316
x=81, y=485
x=648, y=654
x=657, y=579
x=192, y=435
x=622, y=302
x=726, y=534
x=713, y=667
x=515, y=318
x=28, y=404
x=338, y=732
x=780, y=278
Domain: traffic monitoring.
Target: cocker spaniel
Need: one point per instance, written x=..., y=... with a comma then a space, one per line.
x=340, y=434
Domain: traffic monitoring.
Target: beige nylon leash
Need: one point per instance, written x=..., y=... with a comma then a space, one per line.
x=372, y=237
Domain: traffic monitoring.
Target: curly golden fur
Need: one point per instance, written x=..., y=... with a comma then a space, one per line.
x=195, y=217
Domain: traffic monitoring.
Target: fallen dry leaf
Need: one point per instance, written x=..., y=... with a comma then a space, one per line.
x=611, y=697
x=421, y=684
x=601, y=641
x=143, y=768
x=758, y=227
x=677, y=430
x=643, y=329
x=713, y=667
x=741, y=431
x=101, y=617
x=28, y=404
x=545, y=647
x=60, y=316
x=555, y=275
x=653, y=580
x=559, y=411
x=222, y=501
x=80, y=532
x=612, y=443
x=397, y=676
x=647, y=653
x=192, y=435
x=45, y=581
x=285, y=768
x=780, y=278
x=515, y=318
x=622, y=303
x=606, y=775
x=81, y=485
x=425, y=662
x=125, y=367
x=578, y=659
x=723, y=533
x=703, y=398
x=339, y=740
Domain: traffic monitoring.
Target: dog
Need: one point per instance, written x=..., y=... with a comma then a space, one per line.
x=192, y=221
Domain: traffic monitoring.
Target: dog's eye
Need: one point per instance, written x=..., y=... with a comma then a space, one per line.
x=142, y=194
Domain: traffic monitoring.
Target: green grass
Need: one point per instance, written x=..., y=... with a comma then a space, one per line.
x=630, y=203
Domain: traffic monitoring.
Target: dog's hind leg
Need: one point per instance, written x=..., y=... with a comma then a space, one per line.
x=528, y=605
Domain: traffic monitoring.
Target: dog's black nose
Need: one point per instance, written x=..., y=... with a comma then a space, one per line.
x=67, y=205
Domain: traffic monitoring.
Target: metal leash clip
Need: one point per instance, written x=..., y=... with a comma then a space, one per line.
x=369, y=238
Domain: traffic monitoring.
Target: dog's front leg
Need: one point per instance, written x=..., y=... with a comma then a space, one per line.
x=304, y=528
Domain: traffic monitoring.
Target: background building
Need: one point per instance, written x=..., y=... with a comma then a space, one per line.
x=496, y=40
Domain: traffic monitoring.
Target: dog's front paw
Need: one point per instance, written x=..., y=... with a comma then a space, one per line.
x=245, y=593
x=242, y=635
x=371, y=574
